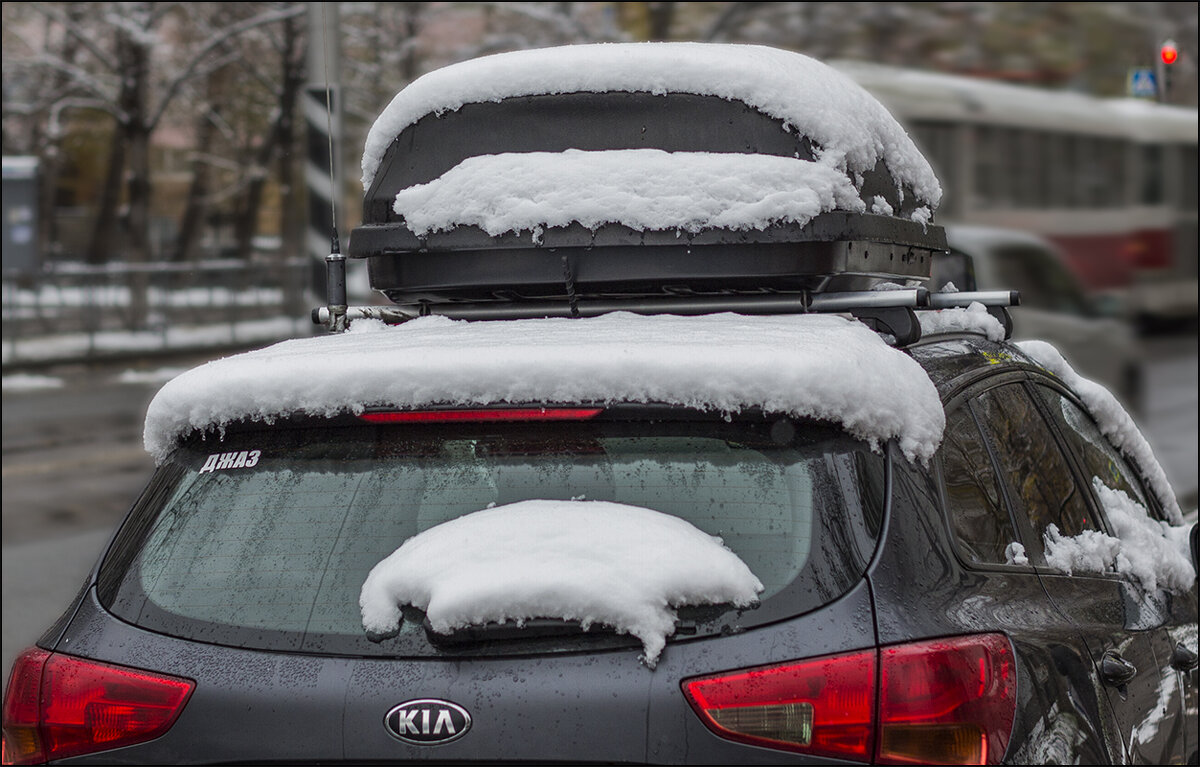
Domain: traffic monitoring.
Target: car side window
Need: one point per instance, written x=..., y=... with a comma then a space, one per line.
x=978, y=517
x=1037, y=473
x=1100, y=459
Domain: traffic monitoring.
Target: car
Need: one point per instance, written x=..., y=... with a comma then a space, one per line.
x=616, y=490
x=1090, y=330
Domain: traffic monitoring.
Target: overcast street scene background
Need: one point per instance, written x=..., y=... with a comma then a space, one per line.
x=160, y=189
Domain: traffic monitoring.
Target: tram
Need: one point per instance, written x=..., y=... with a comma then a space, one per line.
x=1111, y=181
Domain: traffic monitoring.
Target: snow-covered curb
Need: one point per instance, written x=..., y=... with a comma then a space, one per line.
x=591, y=561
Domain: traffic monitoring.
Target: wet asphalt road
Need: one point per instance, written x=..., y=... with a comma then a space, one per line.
x=73, y=465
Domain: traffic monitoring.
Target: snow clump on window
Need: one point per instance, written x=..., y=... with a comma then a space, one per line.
x=594, y=562
x=1155, y=554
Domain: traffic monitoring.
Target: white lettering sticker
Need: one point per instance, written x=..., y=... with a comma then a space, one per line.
x=235, y=460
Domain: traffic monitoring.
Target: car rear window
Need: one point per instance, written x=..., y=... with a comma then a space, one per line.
x=263, y=538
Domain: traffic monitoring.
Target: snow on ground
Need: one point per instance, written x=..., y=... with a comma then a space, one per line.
x=591, y=561
x=644, y=189
x=158, y=376
x=820, y=366
x=850, y=127
x=1114, y=422
x=24, y=382
x=1155, y=554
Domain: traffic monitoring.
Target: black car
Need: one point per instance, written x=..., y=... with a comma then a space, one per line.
x=896, y=624
x=636, y=492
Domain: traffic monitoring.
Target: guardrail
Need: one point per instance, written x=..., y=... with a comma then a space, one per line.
x=84, y=312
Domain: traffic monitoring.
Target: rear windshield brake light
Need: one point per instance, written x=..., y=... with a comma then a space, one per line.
x=490, y=414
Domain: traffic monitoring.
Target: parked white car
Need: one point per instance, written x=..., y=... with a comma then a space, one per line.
x=1090, y=331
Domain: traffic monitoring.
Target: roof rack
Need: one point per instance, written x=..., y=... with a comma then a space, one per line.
x=892, y=312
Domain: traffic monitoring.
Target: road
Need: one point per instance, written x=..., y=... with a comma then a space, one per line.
x=73, y=465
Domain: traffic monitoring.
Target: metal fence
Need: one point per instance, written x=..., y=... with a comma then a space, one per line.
x=85, y=312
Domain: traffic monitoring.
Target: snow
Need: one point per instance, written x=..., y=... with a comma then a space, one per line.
x=851, y=129
x=26, y=382
x=1155, y=554
x=591, y=561
x=157, y=376
x=644, y=189
x=1114, y=422
x=1014, y=554
x=973, y=318
x=804, y=365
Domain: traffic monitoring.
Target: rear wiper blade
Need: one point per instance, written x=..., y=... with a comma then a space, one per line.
x=535, y=628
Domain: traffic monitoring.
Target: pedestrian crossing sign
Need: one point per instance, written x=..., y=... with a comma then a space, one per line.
x=1142, y=83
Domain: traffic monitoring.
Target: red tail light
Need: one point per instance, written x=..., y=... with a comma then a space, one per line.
x=949, y=701
x=58, y=706
x=495, y=414
x=822, y=706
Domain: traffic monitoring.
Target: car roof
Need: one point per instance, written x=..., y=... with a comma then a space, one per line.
x=806, y=365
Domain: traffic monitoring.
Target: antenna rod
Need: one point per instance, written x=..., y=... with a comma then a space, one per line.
x=335, y=262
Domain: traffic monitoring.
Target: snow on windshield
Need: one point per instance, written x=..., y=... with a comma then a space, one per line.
x=643, y=189
x=820, y=366
x=851, y=129
x=1114, y=422
x=1155, y=554
x=594, y=562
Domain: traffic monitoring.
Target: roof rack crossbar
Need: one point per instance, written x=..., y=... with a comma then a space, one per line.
x=985, y=297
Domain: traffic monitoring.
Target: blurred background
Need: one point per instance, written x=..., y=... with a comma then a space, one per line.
x=168, y=195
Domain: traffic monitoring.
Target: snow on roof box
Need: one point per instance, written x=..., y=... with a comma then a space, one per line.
x=620, y=146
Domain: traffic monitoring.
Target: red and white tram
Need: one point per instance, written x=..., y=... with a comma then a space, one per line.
x=1111, y=181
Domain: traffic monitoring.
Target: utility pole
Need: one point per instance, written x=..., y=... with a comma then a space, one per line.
x=323, y=128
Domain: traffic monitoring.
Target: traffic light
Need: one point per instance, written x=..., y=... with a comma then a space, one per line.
x=1169, y=52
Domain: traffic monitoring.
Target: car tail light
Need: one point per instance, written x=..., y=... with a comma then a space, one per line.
x=58, y=706
x=946, y=701
x=491, y=414
x=822, y=706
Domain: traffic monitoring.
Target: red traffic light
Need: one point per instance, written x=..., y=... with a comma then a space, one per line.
x=1169, y=52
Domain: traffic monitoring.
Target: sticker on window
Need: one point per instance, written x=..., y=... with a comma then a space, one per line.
x=235, y=460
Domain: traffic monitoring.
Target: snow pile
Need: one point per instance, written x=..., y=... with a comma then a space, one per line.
x=644, y=189
x=1155, y=554
x=1114, y=423
x=820, y=366
x=1014, y=554
x=974, y=318
x=590, y=561
x=852, y=131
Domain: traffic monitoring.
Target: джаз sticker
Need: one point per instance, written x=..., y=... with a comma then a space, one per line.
x=235, y=460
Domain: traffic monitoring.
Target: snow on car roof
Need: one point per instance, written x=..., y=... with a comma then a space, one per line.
x=820, y=366
x=595, y=562
x=644, y=189
x=851, y=129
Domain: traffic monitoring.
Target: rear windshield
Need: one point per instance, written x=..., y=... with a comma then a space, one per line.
x=264, y=538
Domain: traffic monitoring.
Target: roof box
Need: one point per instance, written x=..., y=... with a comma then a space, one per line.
x=640, y=169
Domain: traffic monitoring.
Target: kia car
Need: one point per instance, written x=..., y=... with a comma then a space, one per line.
x=660, y=454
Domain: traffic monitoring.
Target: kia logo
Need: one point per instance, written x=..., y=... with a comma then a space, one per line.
x=427, y=722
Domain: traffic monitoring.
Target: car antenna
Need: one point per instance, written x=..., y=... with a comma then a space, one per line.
x=335, y=262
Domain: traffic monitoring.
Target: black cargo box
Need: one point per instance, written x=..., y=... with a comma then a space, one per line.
x=837, y=250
